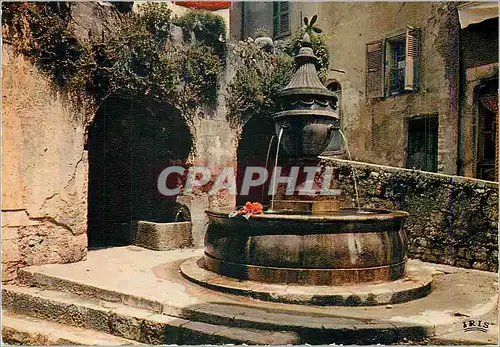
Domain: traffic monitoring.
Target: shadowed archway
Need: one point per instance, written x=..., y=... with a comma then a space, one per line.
x=129, y=144
x=252, y=151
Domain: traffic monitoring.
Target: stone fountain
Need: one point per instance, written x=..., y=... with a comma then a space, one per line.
x=309, y=250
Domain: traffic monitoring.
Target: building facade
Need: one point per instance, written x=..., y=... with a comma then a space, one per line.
x=407, y=75
x=479, y=90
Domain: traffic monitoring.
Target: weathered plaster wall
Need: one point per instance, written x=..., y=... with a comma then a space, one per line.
x=432, y=200
x=214, y=146
x=376, y=129
x=259, y=15
x=44, y=171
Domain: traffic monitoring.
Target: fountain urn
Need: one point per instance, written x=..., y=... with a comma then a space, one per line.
x=307, y=114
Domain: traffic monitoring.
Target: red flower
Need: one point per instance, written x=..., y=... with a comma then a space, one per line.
x=248, y=210
x=251, y=208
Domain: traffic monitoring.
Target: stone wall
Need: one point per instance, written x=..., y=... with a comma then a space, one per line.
x=214, y=146
x=470, y=240
x=44, y=171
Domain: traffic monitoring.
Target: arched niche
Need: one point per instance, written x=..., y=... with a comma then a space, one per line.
x=129, y=143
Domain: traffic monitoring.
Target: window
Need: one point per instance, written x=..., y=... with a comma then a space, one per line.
x=392, y=65
x=396, y=64
x=281, y=19
x=422, y=143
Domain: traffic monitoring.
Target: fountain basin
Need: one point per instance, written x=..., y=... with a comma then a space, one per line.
x=339, y=248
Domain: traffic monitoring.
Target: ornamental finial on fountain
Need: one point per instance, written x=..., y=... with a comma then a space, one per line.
x=307, y=118
x=309, y=28
x=305, y=81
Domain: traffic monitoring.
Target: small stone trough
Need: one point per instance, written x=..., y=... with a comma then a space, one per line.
x=162, y=236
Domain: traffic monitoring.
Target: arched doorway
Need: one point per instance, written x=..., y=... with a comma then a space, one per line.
x=487, y=130
x=129, y=144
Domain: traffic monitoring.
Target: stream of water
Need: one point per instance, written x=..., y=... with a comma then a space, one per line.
x=354, y=175
x=267, y=162
x=275, y=166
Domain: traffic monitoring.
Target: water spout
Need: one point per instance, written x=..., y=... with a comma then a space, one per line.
x=177, y=215
x=354, y=175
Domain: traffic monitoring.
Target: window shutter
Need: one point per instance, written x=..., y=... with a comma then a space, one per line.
x=284, y=20
x=275, y=19
x=281, y=19
x=375, y=69
x=412, y=56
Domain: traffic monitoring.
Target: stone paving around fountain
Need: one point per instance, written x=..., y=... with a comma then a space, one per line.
x=130, y=291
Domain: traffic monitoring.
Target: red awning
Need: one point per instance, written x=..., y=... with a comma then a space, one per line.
x=205, y=5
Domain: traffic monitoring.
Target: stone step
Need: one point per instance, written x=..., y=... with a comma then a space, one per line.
x=24, y=330
x=310, y=329
x=128, y=322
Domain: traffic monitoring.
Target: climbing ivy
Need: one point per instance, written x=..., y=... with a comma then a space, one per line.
x=138, y=59
x=43, y=34
x=207, y=27
x=319, y=47
x=261, y=75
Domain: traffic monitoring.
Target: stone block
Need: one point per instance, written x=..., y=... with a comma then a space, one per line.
x=161, y=329
x=50, y=244
x=9, y=271
x=163, y=236
x=461, y=252
x=126, y=325
x=10, y=251
x=16, y=219
x=462, y=263
x=480, y=266
x=9, y=233
x=431, y=258
x=482, y=255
